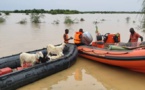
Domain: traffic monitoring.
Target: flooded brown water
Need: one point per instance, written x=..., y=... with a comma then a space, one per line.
x=84, y=74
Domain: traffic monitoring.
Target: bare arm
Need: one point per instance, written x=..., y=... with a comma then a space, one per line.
x=141, y=38
x=64, y=37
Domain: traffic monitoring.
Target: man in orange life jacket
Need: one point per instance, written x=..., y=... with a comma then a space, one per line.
x=134, y=37
x=65, y=36
x=78, y=38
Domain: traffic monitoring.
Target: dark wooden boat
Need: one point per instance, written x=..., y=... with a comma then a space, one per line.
x=14, y=80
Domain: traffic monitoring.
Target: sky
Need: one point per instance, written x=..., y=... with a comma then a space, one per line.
x=80, y=5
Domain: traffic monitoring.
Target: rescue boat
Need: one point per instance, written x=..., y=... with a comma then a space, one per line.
x=11, y=80
x=111, y=51
x=130, y=59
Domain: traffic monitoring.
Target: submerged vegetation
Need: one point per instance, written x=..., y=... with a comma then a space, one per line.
x=55, y=22
x=37, y=14
x=127, y=19
x=2, y=19
x=7, y=13
x=35, y=17
x=23, y=21
x=82, y=19
x=95, y=22
x=68, y=20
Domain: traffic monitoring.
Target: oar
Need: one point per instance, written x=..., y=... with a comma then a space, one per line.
x=131, y=48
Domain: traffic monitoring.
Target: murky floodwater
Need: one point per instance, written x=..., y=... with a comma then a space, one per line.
x=84, y=74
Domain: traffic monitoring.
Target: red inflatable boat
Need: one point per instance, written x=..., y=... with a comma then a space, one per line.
x=130, y=59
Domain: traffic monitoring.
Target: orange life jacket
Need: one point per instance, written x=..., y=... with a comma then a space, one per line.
x=66, y=39
x=77, y=38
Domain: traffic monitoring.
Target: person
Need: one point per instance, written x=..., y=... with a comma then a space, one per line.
x=65, y=36
x=98, y=35
x=116, y=38
x=78, y=38
x=99, y=39
x=134, y=37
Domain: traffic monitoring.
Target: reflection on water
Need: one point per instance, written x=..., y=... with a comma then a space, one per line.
x=78, y=74
x=36, y=25
x=84, y=74
x=79, y=80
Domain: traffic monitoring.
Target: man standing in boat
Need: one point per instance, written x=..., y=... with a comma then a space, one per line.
x=134, y=37
x=65, y=36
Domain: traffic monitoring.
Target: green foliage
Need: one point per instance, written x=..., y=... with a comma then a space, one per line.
x=7, y=13
x=31, y=11
x=68, y=20
x=59, y=11
x=2, y=19
x=62, y=11
x=23, y=21
x=35, y=17
x=27, y=13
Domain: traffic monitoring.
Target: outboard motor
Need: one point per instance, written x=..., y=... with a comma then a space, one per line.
x=87, y=38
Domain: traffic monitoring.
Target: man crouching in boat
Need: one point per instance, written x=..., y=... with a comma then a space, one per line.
x=83, y=38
